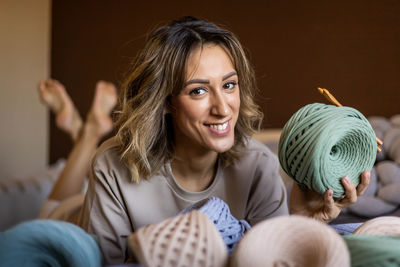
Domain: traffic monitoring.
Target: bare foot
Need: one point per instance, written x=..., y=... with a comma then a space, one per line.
x=98, y=119
x=53, y=94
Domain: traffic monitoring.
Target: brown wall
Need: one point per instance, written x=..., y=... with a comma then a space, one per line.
x=349, y=47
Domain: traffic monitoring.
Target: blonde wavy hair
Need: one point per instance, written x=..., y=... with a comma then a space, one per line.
x=144, y=131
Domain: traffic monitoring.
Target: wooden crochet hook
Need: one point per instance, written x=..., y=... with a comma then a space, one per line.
x=334, y=101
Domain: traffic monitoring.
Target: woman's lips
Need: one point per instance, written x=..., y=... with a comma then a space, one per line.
x=220, y=129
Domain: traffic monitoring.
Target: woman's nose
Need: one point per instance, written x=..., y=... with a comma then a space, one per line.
x=220, y=105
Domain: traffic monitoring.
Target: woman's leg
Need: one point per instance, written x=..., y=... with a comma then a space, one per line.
x=53, y=94
x=98, y=124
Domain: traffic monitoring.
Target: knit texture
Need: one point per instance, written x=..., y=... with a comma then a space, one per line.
x=322, y=143
x=48, y=243
x=291, y=241
x=228, y=226
x=185, y=240
x=373, y=250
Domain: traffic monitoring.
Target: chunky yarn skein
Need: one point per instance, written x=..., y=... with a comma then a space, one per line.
x=291, y=241
x=373, y=250
x=48, y=243
x=385, y=225
x=218, y=212
x=190, y=239
x=322, y=143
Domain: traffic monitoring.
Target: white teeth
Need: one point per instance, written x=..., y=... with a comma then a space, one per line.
x=219, y=127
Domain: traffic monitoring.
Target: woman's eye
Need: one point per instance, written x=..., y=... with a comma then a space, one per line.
x=229, y=85
x=197, y=91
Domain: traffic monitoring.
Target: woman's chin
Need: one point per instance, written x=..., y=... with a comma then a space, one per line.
x=222, y=148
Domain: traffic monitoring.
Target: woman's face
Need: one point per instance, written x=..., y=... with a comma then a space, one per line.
x=206, y=110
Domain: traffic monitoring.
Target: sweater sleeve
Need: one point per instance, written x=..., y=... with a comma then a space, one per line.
x=104, y=213
x=267, y=196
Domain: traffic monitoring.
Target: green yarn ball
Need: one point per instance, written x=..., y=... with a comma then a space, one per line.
x=322, y=143
x=372, y=250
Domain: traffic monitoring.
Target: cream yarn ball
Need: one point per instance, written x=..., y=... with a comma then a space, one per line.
x=291, y=241
x=386, y=225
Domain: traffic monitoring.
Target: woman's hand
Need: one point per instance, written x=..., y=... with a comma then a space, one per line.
x=324, y=207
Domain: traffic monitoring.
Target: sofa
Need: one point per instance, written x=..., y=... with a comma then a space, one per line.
x=22, y=197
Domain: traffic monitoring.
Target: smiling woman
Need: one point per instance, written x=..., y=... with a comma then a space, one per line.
x=186, y=116
x=204, y=114
x=212, y=101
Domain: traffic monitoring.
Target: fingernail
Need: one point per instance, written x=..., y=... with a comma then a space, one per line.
x=330, y=193
x=347, y=180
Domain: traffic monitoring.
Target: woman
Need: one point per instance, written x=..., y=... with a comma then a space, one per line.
x=186, y=117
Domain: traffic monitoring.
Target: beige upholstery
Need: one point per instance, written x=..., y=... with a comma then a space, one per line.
x=21, y=198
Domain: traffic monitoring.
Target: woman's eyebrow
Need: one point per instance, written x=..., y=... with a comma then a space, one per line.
x=197, y=81
x=230, y=74
x=204, y=81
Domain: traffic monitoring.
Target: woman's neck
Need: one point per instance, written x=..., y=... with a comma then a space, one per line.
x=194, y=171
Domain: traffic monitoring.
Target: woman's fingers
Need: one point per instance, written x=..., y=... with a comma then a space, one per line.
x=350, y=192
x=330, y=211
x=328, y=199
x=329, y=204
x=365, y=179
